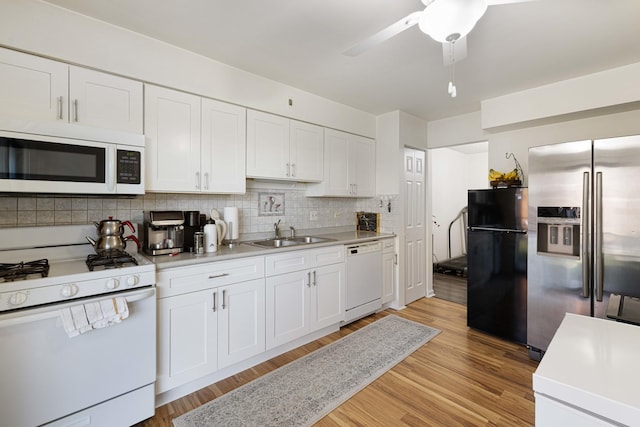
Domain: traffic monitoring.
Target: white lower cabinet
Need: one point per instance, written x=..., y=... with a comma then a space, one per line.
x=388, y=270
x=204, y=330
x=307, y=299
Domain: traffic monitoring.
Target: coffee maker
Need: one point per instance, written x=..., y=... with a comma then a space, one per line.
x=162, y=232
x=191, y=225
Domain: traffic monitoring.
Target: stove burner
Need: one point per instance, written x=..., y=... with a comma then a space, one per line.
x=20, y=270
x=115, y=259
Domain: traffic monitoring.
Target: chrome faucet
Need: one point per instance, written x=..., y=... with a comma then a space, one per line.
x=293, y=232
x=276, y=229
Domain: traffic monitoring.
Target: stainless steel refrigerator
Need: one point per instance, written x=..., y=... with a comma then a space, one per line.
x=584, y=234
x=497, y=262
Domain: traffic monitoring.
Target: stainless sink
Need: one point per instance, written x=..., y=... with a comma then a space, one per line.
x=290, y=241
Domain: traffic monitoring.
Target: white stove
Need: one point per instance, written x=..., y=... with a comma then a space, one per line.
x=103, y=375
x=66, y=250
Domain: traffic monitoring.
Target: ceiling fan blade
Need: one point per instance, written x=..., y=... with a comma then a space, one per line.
x=459, y=51
x=498, y=2
x=383, y=35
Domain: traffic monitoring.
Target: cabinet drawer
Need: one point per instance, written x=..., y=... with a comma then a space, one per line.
x=303, y=259
x=181, y=280
x=288, y=262
x=388, y=246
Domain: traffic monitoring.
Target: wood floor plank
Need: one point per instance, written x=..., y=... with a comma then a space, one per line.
x=462, y=377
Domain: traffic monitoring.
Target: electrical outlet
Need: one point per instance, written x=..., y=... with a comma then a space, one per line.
x=313, y=215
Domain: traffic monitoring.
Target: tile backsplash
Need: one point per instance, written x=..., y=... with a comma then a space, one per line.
x=39, y=210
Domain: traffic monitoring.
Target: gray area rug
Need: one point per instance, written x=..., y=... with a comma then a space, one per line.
x=307, y=389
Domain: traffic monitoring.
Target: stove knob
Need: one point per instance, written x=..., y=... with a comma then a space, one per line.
x=69, y=290
x=133, y=280
x=113, y=283
x=18, y=298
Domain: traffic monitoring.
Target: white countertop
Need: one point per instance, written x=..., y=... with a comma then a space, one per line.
x=240, y=250
x=593, y=364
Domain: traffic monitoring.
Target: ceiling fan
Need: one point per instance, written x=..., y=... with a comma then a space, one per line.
x=445, y=21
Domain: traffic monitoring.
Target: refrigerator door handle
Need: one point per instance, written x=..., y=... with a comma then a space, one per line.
x=597, y=221
x=586, y=244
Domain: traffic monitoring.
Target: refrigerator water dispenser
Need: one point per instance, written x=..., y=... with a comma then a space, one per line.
x=559, y=231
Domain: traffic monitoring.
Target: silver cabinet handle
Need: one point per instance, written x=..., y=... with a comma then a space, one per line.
x=597, y=222
x=224, y=296
x=315, y=279
x=215, y=276
x=197, y=180
x=215, y=303
x=586, y=244
x=288, y=173
x=206, y=181
x=293, y=169
x=60, y=117
x=308, y=279
x=75, y=110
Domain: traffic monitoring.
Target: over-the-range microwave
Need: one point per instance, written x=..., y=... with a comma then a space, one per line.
x=42, y=157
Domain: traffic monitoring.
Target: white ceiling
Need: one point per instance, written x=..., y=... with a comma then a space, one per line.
x=299, y=43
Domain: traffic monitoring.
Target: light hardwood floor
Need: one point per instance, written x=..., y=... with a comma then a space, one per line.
x=461, y=377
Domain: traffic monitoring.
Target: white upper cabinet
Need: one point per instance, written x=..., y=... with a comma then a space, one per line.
x=223, y=147
x=283, y=149
x=35, y=88
x=194, y=144
x=105, y=101
x=349, y=166
x=172, y=130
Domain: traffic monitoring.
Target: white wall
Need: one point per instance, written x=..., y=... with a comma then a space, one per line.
x=43, y=29
x=519, y=141
x=453, y=173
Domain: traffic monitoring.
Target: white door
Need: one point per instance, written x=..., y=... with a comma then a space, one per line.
x=306, y=151
x=287, y=306
x=32, y=87
x=241, y=317
x=267, y=145
x=328, y=295
x=336, y=163
x=414, y=223
x=187, y=338
x=365, y=183
x=172, y=130
x=105, y=101
x=223, y=147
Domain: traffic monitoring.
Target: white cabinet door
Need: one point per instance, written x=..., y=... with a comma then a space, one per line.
x=267, y=146
x=241, y=321
x=32, y=87
x=306, y=154
x=287, y=301
x=172, y=129
x=328, y=296
x=105, y=101
x=365, y=160
x=223, y=147
x=336, y=166
x=388, y=273
x=187, y=338
x=349, y=166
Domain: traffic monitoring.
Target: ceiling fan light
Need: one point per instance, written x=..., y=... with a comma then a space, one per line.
x=448, y=20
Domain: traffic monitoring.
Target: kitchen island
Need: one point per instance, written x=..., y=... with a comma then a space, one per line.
x=589, y=376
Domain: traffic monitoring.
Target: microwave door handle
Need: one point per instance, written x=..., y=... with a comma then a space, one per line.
x=586, y=244
x=111, y=168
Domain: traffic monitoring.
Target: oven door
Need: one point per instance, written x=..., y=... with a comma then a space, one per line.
x=46, y=375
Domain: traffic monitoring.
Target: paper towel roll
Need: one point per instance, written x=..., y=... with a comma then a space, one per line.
x=230, y=215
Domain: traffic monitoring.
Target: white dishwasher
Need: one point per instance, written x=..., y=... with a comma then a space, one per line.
x=364, y=280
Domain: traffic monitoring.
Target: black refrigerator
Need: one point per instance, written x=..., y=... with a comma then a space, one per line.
x=497, y=262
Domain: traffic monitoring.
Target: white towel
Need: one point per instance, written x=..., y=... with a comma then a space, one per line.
x=79, y=319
